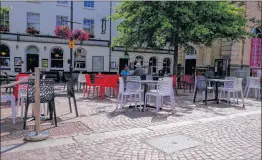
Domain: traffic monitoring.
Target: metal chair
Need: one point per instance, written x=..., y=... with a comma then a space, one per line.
x=46, y=96
x=70, y=93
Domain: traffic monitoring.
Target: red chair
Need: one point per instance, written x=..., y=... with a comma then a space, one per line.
x=89, y=85
x=17, y=79
x=188, y=81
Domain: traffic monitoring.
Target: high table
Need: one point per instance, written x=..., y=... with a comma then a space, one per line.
x=217, y=81
x=145, y=83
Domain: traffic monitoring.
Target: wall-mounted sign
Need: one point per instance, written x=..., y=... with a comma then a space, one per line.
x=18, y=61
x=98, y=63
x=112, y=65
x=45, y=63
x=256, y=48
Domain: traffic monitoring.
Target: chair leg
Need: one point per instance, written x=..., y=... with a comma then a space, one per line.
x=75, y=105
x=242, y=95
x=25, y=117
x=172, y=99
x=135, y=101
x=13, y=109
x=195, y=93
x=122, y=100
x=117, y=102
x=140, y=101
x=70, y=107
x=158, y=99
x=220, y=96
x=54, y=110
x=247, y=92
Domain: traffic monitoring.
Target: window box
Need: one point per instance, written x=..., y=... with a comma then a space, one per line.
x=4, y=29
x=32, y=31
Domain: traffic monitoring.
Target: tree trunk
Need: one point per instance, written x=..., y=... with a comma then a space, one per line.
x=175, y=69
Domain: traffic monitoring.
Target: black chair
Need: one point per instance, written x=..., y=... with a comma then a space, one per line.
x=70, y=93
x=46, y=96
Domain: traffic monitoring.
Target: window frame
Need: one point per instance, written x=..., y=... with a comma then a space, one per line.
x=61, y=22
x=27, y=18
x=81, y=60
x=6, y=18
x=153, y=66
x=89, y=7
x=90, y=30
x=5, y=57
x=56, y=59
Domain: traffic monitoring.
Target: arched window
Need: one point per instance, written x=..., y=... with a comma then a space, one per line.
x=140, y=59
x=258, y=32
x=166, y=64
x=4, y=56
x=57, y=57
x=191, y=51
x=80, y=58
x=152, y=65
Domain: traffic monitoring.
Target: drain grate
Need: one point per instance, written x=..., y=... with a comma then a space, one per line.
x=171, y=144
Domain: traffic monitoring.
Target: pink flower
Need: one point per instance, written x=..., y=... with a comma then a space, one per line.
x=81, y=35
x=63, y=32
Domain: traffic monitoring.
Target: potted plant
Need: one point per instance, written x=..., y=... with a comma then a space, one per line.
x=80, y=35
x=4, y=29
x=32, y=30
x=63, y=32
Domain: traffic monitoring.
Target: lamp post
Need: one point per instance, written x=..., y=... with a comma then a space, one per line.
x=70, y=61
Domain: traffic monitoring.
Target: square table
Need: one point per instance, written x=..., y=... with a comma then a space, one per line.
x=145, y=83
x=217, y=81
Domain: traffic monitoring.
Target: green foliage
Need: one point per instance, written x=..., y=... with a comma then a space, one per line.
x=4, y=9
x=160, y=23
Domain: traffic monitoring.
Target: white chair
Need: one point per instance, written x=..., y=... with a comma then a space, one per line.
x=5, y=98
x=233, y=87
x=164, y=88
x=81, y=80
x=253, y=83
x=131, y=89
x=22, y=94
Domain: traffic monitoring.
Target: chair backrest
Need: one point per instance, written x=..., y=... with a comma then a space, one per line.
x=254, y=82
x=231, y=84
x=70, y=86
x=111, y=80
x=46, y=91
x=88, y=79
x=22, y=88
x=200, y=82
x=131, y=86
x=121, y=85
x=81, y=78
x=99, y=79
x=164, y=86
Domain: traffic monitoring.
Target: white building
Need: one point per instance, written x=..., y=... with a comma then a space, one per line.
x=46, y=50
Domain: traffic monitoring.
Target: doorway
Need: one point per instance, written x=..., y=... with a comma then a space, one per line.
x=122, y=63
x=32, y=61
x=190, y=66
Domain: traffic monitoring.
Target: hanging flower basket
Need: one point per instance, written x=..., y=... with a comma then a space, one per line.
x=63, y=32
x=4, y=29
x=32, y=31
x=80, y=35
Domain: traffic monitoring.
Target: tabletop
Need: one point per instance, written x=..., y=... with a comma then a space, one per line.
x=220, y=80
x=143, y=81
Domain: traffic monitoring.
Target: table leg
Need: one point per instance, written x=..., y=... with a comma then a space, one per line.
x=216, y=94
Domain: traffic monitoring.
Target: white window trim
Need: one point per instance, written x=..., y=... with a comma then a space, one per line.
x=91, y=8
x=6, y=20
x=62, y=5
x=90, y=26
x=34, y=23
x=61, y=21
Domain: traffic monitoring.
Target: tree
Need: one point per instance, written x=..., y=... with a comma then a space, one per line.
x=158, y=24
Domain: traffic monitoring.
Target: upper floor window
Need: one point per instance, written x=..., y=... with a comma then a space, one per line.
x=89, y=4
x=88, y=25
x=61, y=21
x=4, y=21
x=191, y=51
x=33, y=20
x=258, y=32
x=62, y=2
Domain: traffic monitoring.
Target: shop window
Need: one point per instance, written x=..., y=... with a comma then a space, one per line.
x=4, y=56
x=140, y=59
x=80, y=58
x=153, y=65
x=57, y=58
x=167, y=64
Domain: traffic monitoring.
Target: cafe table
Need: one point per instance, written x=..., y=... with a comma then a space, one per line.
x=144, y=83
x=217, y=82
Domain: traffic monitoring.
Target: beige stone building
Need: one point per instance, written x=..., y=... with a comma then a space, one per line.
x=238, y=54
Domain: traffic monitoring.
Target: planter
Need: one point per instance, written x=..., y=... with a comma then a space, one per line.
x=63, y=32
x=32, y=31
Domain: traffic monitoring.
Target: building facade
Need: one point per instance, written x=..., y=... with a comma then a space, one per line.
x=21, y=51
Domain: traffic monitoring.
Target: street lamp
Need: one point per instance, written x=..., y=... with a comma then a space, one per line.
x=126, y=55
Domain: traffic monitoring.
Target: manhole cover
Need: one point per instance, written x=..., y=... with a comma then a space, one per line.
x=170, y=144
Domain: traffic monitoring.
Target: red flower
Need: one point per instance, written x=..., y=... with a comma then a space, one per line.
x=63, y=32
x=80, y=35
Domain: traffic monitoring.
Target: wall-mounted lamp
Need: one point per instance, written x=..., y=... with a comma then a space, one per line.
x=17, y=46
x=126, y=55
x=45, y=48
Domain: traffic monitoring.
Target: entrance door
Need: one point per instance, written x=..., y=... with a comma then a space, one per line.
x=122, y=63
x=190, y=66
x=32, y=61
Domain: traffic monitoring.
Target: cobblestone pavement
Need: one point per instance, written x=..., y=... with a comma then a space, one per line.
x=223, y=131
